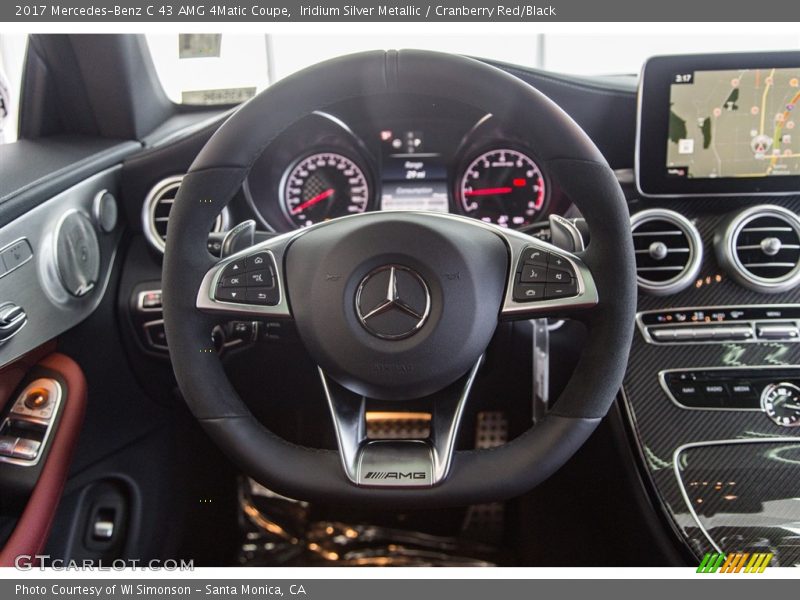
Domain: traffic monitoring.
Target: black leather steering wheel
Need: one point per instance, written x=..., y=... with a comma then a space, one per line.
x=399, y=305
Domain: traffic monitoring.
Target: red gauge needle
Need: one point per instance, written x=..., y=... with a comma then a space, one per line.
x=489, y=191
x=311, y=202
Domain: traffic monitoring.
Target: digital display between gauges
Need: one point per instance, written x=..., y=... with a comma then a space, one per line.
x=323, y=186
x=412, y=176
x=504, y=187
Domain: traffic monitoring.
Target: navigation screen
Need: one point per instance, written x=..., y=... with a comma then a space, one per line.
x=734, y=123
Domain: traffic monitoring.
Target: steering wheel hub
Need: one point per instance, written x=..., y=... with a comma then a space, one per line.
x=393, y=302
x=396, y=306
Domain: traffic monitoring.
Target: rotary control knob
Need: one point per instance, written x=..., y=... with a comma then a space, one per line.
x=781, y=403
x=77, y=254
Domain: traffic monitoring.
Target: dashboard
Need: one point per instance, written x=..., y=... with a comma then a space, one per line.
x=711, y=393
x=409, y=153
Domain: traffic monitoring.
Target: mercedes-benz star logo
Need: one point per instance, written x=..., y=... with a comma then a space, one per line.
x=393, y=302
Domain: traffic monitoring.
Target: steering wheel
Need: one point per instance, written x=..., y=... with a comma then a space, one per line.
x=399, y=305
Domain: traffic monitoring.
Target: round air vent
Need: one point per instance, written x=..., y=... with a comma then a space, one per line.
x=156, y=209
x=668, y=250
x=760, y=248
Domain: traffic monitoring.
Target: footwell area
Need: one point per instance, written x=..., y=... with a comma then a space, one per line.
x=281, y=531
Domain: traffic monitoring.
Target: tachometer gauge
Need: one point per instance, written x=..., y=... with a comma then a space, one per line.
x=321, y=187
x=781, y=402
x=504, y=187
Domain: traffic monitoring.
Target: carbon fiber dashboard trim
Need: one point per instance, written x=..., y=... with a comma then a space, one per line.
x=746, y=489
x=660, y=426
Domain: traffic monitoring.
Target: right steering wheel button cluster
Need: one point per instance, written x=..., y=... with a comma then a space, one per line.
x=543, y=275
x=249, y=280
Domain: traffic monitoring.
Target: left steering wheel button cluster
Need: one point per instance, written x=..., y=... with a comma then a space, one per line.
x=249, y=280
x=543, y=275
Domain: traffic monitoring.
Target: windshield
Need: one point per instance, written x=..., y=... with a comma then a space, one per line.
x=229, y=68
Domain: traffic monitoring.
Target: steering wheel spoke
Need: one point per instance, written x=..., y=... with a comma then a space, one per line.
x=249, y=283
x=397, y=463
x=545, y=280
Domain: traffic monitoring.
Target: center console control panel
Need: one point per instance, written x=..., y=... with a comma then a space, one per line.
x=773, y=390
x=715, y=325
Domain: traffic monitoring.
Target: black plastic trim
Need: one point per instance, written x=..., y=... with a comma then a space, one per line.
x=33, y=171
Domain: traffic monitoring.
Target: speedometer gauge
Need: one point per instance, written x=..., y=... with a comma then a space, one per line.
x=504, y=187
x=321, y=187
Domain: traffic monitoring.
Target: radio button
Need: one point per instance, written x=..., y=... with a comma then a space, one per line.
x=715, y=390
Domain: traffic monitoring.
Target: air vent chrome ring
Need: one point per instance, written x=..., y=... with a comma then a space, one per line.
x=657, y=249
x=164, y=192
x=728, y=248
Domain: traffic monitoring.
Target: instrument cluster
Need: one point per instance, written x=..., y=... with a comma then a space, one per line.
x=421, y=155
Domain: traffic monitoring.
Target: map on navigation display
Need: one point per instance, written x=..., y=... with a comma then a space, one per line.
x=737, y=123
